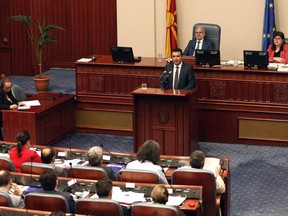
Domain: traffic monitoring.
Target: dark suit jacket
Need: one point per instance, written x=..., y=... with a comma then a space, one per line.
x=4, y=103
x=189, y=50
x=186, y=79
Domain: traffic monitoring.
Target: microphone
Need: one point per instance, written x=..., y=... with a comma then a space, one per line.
x=164, y=80
x=108, y=151
x=70, y=154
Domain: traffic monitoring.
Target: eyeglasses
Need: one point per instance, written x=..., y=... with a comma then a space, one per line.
x=277, y=38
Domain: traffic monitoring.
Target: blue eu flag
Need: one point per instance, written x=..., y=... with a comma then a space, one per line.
x=269, y=24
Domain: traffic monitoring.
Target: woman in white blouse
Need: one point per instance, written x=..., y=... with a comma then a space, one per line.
x=148, y=158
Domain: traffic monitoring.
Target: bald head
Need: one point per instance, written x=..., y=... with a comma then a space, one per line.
x=48, y=155
x=5, y=178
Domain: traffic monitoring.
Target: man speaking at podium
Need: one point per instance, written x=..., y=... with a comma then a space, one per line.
x=178, y=74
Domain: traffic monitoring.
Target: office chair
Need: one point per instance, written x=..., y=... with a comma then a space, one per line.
x=98, y=207
x=36, y=168
x=18, y=92
x=204, y=178
x=5, y=199
x=45, y=201
x=86, y=172
x=138, y=176
x=147, y=209
x=286, y=40
x=7, y=164
x=212, y=32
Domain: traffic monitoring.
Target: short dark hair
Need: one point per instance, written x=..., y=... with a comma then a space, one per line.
x=150, y=151
x=177, y=50
x=47, y=154
x=103, y=187
x=197, y=159
x=5, y=177
x=48, y=180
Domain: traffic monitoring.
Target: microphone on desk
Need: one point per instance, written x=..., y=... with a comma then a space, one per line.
x=164, y=80
x=108, y=151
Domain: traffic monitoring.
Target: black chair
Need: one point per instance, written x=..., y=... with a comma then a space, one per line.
x=286, y=40
x=7, y=164
x=212, y=32
x=18, y=92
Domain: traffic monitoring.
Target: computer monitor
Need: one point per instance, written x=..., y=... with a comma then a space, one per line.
x=122, y=54
x=207, y=57
x=256, y=59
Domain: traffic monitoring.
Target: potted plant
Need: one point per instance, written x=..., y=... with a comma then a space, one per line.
x=39, y=37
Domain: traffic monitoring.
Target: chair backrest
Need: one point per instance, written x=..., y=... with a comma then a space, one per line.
x=212, y=32
x=18, y=92
x=204, y=178
x=45, y=201
x=85, y=172
x=98, y=207
x=5, y=199
x=138, y=176
x=147, y=209
x=36, y=168
x=286, y=40
x=7, y=164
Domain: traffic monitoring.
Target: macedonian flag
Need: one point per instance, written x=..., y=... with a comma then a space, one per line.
x=171, y=28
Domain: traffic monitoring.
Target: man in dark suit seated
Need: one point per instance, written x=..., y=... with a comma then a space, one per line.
x=180, y=74
x=104, y=191
x=48, y=156
x=95, y=159
x=199, y=42
x=49, y=183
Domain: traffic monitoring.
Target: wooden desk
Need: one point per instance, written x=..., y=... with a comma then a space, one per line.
x=236, y=104
x=27, y=179
x=47, y=124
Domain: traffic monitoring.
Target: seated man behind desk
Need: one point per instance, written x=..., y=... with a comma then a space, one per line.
x=197, y=160
x=48, y=156
x=199, y=42
x=95, y=159
x=180, y=74
x=6, y=184
x=104, y=191
x=49, y=183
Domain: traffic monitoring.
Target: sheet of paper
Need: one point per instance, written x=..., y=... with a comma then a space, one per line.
x=175, y=200
x=211, y=164
x=31, y=103
x=84, y=60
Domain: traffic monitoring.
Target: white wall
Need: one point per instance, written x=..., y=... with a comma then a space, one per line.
x=142, y=23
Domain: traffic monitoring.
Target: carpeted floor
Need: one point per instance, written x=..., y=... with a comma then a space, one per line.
x=258, y=173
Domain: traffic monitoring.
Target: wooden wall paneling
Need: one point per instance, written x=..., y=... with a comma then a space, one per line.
x=60, y=52
x=21, y=47
x=105, y=26
x=82, y=25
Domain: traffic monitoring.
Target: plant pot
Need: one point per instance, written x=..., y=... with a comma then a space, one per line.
x=41, y=83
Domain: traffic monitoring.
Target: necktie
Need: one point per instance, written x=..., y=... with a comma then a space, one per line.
x=176, y=81
x=197, y=46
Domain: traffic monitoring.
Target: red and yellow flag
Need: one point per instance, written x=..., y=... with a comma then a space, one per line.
x=171, y=28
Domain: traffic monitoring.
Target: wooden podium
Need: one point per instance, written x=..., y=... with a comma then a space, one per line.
x=169, y=117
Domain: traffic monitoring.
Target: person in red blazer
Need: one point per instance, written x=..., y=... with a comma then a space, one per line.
x=278, y=50
x=22, y=153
